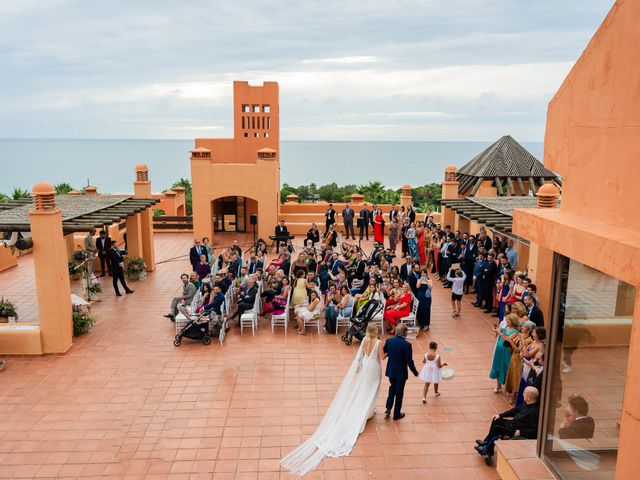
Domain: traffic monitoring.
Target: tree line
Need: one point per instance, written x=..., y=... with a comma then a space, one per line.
x=424, y=197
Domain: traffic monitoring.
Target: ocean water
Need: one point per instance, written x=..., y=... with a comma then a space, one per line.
x=109, y=164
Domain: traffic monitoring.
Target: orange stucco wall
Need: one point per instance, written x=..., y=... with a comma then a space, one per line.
x=232, y=167
x=7, y=259
x=593, y=141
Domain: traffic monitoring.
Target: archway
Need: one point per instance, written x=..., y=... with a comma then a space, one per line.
x=233, y=213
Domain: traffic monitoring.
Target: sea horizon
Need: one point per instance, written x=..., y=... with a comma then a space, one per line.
x=108, y=164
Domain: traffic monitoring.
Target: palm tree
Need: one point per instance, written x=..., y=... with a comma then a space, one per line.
x=373, y=192
x=19, y=193
x=62, y=188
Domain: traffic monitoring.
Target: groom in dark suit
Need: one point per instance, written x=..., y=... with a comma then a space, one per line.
x=400, y=354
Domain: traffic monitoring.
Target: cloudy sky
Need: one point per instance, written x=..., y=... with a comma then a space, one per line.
x=348, y=70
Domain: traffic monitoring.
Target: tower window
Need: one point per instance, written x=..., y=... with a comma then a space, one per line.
x=246, y=135
x=266, y=108
x=256, y=135
x=266, y=135
x=256, y=108
x=245, y=108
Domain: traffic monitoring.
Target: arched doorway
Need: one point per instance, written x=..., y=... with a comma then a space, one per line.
x=232, y=214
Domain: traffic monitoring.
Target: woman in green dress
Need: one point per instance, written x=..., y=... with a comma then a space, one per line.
x=502, y=354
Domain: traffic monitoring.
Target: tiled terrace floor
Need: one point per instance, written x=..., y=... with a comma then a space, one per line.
x=126, y=403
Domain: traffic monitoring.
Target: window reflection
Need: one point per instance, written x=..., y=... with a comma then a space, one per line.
x=590, y=338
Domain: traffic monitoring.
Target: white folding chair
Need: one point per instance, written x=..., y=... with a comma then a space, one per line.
x=342, y=322
x=281, y=320
x=411, y=318
x=314, y=321
x=250, y=317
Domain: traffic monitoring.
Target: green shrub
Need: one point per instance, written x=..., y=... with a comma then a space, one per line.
x=82, y=322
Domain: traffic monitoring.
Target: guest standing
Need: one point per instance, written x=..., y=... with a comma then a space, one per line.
x=423, y=296
x=378, y=236
x=347, y=218
x=117, y=268
x=502, y=354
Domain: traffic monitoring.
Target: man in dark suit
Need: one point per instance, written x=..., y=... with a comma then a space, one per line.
x=577, y=423
x=365, y=218
x=405, y=268
x=195, y=252
x=533, y=311
x=413, y=278
x=329, y=218
x=347, y=218
x=247, y=299
x=117, y=269
x=280, y=231
x=358, y=273
x=400, y=357
x=521, y=421
x=103, y=244
x=393, y=213
x=488, y=278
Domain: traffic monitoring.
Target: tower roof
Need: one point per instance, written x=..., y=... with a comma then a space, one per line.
x=504, y=159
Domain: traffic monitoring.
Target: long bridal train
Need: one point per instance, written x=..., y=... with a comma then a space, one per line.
x=346, y=417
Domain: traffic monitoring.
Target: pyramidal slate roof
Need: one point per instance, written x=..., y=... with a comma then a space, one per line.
x=505, y=161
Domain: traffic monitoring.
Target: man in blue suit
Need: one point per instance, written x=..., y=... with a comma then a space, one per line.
x=400, y=354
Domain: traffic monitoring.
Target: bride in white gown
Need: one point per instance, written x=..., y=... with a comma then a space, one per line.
x=348, y=413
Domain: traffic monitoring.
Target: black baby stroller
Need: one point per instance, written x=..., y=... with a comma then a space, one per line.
x=201, y=327
x=361, y=320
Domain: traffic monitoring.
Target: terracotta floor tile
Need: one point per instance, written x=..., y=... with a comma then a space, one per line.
x=126, y=403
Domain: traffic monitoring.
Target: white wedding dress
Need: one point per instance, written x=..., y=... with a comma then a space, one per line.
x=346, y=417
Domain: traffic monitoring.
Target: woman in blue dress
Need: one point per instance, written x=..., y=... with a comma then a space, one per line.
x=502, y=354
x=423, y=294
x=503, y=292
x=412, y=242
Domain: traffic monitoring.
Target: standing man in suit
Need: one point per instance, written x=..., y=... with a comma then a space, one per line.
x=91, y=250
x=400, y=357
x=393, y=213
x=406, y=268
x=365, y=216
x=195, y=252
x=533, y=311
x=117, y=269
x=103, y=244
x=330, y=218
x=488, y=279
x=347, y=218
x=280, y=231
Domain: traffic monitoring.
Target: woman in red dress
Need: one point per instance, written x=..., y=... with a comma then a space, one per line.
x=402, y=308
x=378, y=236
x=422, y=244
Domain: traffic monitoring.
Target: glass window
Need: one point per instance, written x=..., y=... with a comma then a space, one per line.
x=589, y=341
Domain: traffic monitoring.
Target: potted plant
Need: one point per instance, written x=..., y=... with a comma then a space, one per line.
x=135, y=268
x=94, y=288
x=82, y=320
x=76, y=259
x=7, y=309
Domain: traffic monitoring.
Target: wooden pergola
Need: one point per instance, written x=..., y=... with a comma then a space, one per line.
x=80, y=213
x=503, y=163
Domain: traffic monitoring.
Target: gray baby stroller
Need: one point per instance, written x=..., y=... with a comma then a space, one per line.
x=202, y=327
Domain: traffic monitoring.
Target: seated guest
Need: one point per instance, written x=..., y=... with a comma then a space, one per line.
x=331, y=237
x=277, y=262
x=235, y=248
x=401, y=308
x=252, y=264
x=234, y=266
x=280, y=231
x=188, y=292
x=313, y=234
x=217, y=301
x=300, y=264
x=521, y=421
x=281, y=298
x=225, y=281
x=260, y=260
x=246, y=299
x=577, y=423
x=307, y=311
x=195, y=280
x=202, y=268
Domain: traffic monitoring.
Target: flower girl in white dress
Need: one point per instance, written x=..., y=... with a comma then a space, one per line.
x=431, y=372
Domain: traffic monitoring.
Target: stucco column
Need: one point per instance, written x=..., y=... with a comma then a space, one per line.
x=134, y=236
x=70, y=245
x=142, y=189
x=51, y=271
x=628, y=462
x=405, y=198
x=449, y=190
x=200, y=194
